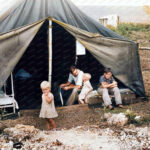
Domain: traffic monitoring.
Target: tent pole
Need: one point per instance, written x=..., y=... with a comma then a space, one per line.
x=50, y=51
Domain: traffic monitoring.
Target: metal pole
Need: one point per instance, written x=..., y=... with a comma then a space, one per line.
x=12, y=85
x=50, y=51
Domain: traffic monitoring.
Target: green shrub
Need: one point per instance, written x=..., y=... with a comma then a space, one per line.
x=126, y=29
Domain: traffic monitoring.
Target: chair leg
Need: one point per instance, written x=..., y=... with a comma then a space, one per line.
x=14, y=109
x=18, y=114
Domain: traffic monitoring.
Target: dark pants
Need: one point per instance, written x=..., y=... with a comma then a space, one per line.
x=70, y=96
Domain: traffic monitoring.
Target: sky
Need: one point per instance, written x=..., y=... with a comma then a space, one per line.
x=112, y=2
x=6, y=4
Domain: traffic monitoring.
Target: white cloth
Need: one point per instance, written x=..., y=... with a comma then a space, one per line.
x=6, y=100
x=78, y=79
x=48, y=109
x=87, y=87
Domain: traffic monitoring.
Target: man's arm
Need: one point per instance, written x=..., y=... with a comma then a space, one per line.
x=72, y=86
x=115, y=84
x=65, y=84
x=70, y=79
x=78, y=82
x=106, y=85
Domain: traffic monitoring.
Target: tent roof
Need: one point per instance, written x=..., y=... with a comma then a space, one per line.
x=24, y=12
x=32, y=13
x=6, y=7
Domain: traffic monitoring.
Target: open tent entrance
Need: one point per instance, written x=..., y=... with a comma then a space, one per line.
x=33, y=67
x=31, y=70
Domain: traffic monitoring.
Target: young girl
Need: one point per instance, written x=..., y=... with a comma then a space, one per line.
x=86, y=89
x=48, y=110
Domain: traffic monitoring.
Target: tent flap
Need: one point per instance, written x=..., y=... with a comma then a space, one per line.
x=13, y=46
x=119, y=55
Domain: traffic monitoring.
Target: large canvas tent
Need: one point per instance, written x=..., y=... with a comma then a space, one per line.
x=25, y=29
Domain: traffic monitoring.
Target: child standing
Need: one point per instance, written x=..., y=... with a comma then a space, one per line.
x=87, y=88
x=48, y=110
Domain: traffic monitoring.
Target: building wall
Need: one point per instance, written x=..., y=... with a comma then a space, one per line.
x=112, y=20
x=145, y=66
x=127, y=14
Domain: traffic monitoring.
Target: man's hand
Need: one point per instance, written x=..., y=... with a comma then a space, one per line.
x=66, y=88
x=72, y=86
x=105, y=85
x=62, y=85
x=114, y=84
x=65, y=84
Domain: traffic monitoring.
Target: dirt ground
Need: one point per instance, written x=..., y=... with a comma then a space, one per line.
x=142, y=108
x=76, y=115
x=78, y=127
x=26, y=137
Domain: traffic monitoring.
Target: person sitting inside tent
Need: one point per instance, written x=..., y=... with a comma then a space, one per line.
x=109, y=85
x=75, y=75
x=86, y=89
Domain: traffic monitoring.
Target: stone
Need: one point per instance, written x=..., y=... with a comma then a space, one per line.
x=93, y=98
x=116, y=119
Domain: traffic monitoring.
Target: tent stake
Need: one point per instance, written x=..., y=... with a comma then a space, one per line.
x=50, y=51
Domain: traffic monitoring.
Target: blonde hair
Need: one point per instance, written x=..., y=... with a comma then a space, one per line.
x=86, y=76
x=45, y=84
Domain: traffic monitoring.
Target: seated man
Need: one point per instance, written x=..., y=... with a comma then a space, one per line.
x=75, y=75
x=108, y=85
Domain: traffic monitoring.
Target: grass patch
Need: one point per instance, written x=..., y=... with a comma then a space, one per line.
x=132, y=118
x=146, y=120
x=126, y=29
x=130, y=115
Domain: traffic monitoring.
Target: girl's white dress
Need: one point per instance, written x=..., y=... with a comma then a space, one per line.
x=48, y=109
x=86, y=89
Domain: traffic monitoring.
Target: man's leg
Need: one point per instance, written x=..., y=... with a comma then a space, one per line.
x=65, y=94
x=72, y=97
x=105, y=96
x=117, y=95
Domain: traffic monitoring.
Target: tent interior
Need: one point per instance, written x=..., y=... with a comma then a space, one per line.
x=32, y=68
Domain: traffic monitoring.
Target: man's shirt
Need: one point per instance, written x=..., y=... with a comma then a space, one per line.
x=103, y=79
x=78, y=79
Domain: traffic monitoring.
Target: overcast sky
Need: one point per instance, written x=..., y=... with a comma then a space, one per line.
x=6, y=4
x=112, y=2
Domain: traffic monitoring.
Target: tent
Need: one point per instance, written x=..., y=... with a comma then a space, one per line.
x=35, y=29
